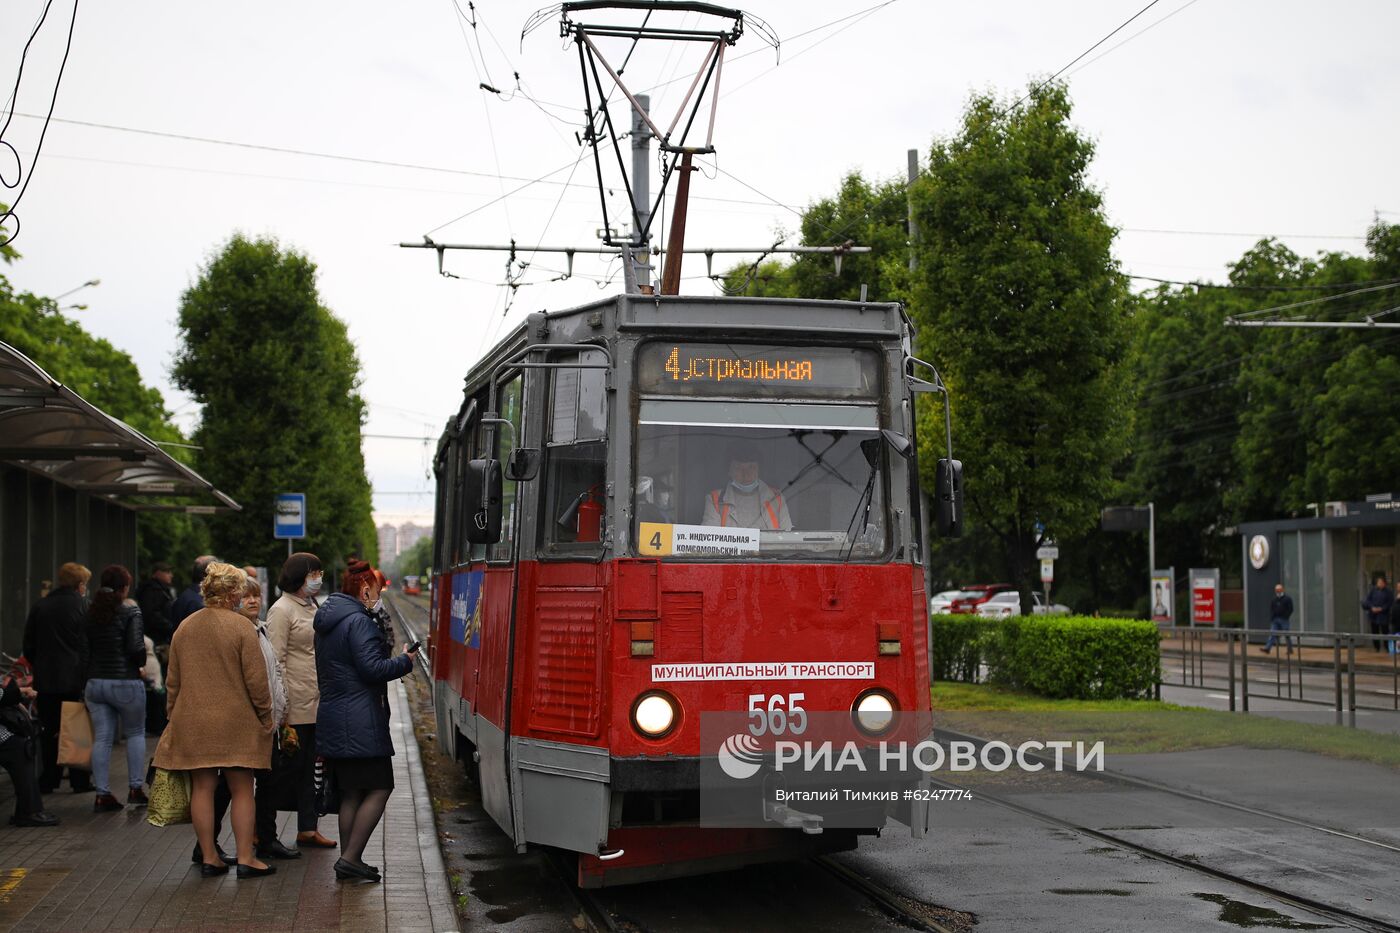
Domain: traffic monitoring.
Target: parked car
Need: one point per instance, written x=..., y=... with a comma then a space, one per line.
x=1009, y=604
x=940, y=602
x=973, y=596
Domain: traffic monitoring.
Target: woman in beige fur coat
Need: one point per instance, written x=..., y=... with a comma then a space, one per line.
x=220, y=708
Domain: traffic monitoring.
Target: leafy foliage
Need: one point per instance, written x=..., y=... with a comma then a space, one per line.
x=1053, y=656
x=417, y=559
x=862, y=214
x=278, y=379
x=1019, y=301
x=108, y=378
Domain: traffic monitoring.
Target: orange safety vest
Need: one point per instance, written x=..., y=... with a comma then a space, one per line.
x=723, y=509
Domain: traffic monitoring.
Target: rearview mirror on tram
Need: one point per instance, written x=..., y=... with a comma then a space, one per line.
x=948, y=498
x=482, y=494
x=524, y=464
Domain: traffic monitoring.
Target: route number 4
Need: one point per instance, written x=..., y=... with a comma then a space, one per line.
x=777, y=714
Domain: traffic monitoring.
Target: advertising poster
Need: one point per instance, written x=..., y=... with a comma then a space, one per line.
x=1161, y=596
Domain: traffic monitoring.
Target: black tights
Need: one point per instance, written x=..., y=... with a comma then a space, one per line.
x=360, y=813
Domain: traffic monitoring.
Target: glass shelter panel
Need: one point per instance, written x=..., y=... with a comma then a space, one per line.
x=1314, y=573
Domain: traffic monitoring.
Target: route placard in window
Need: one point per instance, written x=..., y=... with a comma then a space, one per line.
x=722, y=369
x=657, y=539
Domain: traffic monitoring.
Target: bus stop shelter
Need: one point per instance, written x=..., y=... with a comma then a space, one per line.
x=1326, y=562
x=73, y=483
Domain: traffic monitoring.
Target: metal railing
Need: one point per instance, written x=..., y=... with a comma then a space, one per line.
x=1201, y=653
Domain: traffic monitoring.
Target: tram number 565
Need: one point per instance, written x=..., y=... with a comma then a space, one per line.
x=777, y=714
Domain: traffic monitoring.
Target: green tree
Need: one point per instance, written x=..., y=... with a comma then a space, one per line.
x=108, y=378
x=862, y=213
x=1020, y=302
x=279, y=382
x=416, y=560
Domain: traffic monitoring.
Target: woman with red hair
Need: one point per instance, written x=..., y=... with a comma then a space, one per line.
x=353, y=669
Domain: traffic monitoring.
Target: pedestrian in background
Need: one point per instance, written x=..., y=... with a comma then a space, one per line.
x=19, y=753
x=116, y=688
x=155, y=595
x=190, y=599
x=1377, y=606
x=354, y=667
x=219, y=701
x=55, y=645
x=1394, y=624
x=1280, y=612
x=289, y=628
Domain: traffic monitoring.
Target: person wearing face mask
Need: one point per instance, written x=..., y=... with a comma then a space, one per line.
x=353, y=669
x=294, y=643
x=747, y=502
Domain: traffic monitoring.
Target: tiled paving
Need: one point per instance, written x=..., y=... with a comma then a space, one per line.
x=114, y=871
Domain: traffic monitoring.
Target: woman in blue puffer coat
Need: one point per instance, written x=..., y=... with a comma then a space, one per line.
x=353, y=668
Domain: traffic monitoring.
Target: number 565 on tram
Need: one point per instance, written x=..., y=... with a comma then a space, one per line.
x=655, y=511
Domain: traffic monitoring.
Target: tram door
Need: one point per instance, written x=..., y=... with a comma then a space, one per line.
x=493, y=571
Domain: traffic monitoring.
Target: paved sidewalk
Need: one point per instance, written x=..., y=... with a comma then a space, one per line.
x=114, y=871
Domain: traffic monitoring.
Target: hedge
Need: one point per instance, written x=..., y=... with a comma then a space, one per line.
x=1055, y=656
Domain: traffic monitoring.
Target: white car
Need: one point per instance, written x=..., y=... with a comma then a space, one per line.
x=940, y=604
x=1009, y=604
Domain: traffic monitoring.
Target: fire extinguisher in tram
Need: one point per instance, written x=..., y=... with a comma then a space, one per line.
x=584, y=516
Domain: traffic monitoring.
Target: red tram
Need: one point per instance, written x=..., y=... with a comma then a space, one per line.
x=651, y=507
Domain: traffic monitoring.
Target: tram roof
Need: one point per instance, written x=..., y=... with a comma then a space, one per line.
x=48, y=428
x=672, y=314
x=701, y=315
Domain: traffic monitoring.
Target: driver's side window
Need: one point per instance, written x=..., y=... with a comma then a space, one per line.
x=576, y=456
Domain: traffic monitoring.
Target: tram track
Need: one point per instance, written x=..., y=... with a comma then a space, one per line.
x=1323, y=909
x=1330, y=912
x=413, y=632
x=1157, y=787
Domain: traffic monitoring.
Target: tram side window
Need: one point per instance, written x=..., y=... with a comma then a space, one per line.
x=577, y=456
x=463, y=448
x=509, y=398
x=440, y=513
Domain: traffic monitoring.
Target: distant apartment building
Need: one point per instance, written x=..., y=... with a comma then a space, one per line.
x=410, y=534
x=388, y=543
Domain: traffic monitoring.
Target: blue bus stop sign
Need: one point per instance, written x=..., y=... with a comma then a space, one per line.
x=289, y=516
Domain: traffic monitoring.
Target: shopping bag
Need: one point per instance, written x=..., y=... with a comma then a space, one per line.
x=75, y=736
x=170, y=798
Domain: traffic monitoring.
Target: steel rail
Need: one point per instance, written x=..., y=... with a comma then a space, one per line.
x=397, y=612
x=1146, y=784
x=1335, y=914
x=888, y=901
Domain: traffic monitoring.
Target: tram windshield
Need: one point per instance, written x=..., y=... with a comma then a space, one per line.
x=759, y=478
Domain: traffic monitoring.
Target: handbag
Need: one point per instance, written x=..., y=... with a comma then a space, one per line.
x=327, y=791
x=75, y=736
x=170, y=798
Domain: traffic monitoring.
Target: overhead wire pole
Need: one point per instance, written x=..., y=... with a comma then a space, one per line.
x=641, y=190
x=924, y=499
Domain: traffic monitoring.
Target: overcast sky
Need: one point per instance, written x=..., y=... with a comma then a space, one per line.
x=1221, y=121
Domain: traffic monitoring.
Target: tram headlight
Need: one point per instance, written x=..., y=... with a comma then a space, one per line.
x=874, y=712
x=654, y=714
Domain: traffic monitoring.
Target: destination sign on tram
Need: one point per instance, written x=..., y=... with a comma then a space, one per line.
x=712, y=369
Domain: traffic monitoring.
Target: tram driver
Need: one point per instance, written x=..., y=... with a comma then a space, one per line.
x=747, y=501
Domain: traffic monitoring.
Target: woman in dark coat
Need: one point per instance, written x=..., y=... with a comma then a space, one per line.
x=353, y=669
